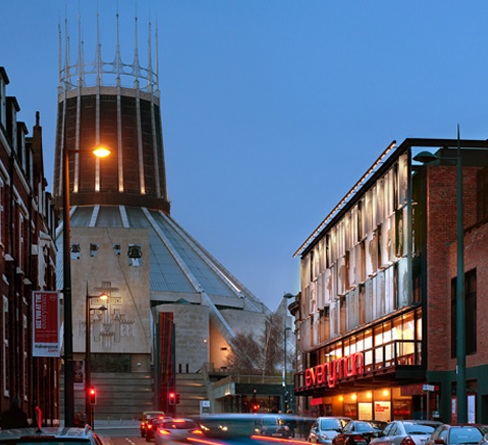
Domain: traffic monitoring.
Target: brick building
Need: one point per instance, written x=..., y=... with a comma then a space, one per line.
x=27, y=261
x=376, y=315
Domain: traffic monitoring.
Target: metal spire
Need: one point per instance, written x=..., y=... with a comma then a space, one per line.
x=149, y=59
x=60, y=59
x=98, y=57
x=81, y=64
x=136, y=56
x=118, y=60
x=157, y=57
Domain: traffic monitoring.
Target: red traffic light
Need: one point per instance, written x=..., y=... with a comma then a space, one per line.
x=92, y=394
x=172, y=398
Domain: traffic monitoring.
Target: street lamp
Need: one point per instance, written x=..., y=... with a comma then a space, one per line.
x=88, y=405
x=426, y=157
x=284, y=368
x=288, y=296
x=69, y=394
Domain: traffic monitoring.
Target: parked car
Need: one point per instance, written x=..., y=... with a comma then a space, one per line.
x=152, y=426
x=274, y=425
x=176, y=429
x=484, y=440
x=51, y=436
x=406, y=432
x=146, y=416
x=458, y=434
x=359, y=432
x=324, y=429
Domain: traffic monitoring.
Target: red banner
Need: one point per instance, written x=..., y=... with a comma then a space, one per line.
x=45, y=332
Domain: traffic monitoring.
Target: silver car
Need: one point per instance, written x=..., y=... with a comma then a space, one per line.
x=406, y=432
x=324, y=429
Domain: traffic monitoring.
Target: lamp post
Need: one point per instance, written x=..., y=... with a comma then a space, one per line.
x=284, y=367
x=288, y=296
x=88, y=406
x=460, y=302
x=69, y=396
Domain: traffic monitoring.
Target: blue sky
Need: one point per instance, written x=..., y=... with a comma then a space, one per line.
x=271, y=109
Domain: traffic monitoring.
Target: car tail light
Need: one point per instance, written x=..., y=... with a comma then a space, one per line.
x=196, y=431
x=407, y=440
x=359, y=438
x=149, y=426
x=163, y=432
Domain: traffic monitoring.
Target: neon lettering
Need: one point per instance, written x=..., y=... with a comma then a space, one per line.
x=331, y=373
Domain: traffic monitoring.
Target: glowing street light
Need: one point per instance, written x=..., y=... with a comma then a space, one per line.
x=69, y=396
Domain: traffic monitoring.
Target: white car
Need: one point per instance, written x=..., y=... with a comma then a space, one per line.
x=175, y=429
x=406, y=432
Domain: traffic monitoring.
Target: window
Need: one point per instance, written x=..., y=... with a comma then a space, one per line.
x=93, y=249
x=135, y=255
x=470, y=313
x=482, y=192
x=1, y=209
x=6, y=353
x=75, y=251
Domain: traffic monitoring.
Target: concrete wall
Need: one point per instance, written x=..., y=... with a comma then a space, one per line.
x=191, y=335
x=125, y=326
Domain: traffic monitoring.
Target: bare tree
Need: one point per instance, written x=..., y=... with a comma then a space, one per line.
x=263, y=353
x=244, y=351
x=272, y=342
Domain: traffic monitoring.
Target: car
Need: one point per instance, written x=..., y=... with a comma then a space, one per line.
x=457, y=434
x=484, y=440
x=176, y=429
x=359, y=432
x=230, y=428
x=152, y=426
x=50, y=436
x=406, y=432
x=324, y=429
x=274, y=425
x=146, y=416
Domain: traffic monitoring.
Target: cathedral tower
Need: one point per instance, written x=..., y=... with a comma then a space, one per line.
x=172, y=307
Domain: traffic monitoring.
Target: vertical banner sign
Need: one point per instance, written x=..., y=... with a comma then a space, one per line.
x=45, y=332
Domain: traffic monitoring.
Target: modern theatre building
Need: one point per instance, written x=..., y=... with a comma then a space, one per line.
x=382, y=323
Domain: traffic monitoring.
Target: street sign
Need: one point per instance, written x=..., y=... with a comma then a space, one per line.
x=428, y=387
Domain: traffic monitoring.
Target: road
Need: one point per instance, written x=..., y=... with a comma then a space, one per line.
x=119, y=433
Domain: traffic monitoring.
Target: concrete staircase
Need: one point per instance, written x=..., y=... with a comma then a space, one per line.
x=124, y=396
x=120, y=396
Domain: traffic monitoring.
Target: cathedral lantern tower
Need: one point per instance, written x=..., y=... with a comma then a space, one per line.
x=172, y=307
x=97, y=107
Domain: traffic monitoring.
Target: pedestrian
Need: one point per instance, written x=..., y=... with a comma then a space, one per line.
x=14, y=417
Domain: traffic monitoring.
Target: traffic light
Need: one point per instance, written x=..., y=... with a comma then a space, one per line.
x=177, y=398
x=172, y=398
x=92, y=393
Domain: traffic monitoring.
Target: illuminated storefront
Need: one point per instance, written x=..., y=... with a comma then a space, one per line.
x=374, y=318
